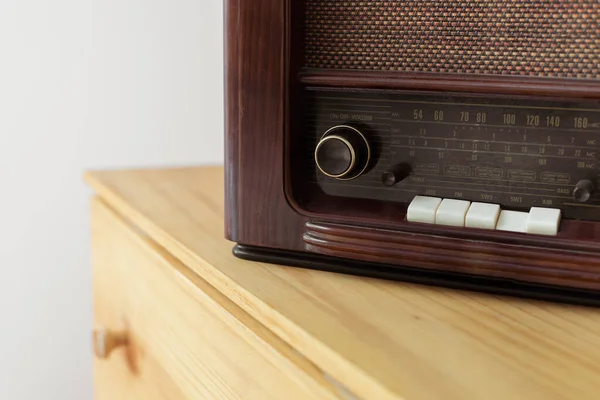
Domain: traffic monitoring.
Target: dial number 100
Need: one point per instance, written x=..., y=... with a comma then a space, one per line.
x=509, y=119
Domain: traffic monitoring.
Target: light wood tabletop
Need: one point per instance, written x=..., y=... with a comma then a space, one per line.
x=380, y=339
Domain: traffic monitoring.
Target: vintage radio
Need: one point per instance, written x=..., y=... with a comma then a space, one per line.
x=452, y=143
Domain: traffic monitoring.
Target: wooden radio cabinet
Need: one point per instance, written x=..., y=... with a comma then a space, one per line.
x=449, y=143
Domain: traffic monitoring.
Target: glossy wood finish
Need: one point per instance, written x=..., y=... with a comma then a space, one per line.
x=263, y=81
x=380, y=340
x=583, y=89
x=256, y=90
x=446, y=253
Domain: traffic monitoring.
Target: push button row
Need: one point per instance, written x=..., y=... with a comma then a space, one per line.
x=462, y=213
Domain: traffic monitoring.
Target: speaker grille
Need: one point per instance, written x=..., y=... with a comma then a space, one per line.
x=545, y=38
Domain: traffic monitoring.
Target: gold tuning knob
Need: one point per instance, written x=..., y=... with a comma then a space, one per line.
x=343, y=153
x=105, y=341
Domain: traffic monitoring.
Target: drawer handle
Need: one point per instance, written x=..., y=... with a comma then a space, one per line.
x=105, y=341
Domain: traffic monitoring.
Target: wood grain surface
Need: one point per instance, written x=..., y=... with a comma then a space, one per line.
x=187, y=340
x=255, y=87
x=560, y=265
x=380, y=339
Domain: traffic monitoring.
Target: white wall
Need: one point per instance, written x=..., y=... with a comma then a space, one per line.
x=87, y=84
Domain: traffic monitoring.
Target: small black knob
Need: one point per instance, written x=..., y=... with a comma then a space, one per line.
x=583, y=191
x=395, y=174
x=342, y=153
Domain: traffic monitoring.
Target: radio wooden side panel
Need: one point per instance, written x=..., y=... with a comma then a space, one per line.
x=258, y=212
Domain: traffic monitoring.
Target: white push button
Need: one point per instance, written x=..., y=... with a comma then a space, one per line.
x=452, y=212
x=543, y=221
x=482, y=216
x=423, y=209
x=512, y=221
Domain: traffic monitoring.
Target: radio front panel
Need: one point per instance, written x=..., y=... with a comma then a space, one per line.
x=512, y=151
x=454, y=144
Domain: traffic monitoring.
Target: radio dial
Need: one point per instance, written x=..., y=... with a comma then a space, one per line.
x=395, y=174
x=583, y=191
x=343, y=153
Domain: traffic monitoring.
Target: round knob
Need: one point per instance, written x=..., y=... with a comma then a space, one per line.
x=105, y=341
x=343, y=153
x=583, y=191
x=395, y=174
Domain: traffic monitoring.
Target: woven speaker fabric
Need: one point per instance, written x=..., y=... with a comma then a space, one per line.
x=544, y=38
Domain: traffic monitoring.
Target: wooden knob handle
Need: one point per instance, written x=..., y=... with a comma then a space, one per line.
x=105, y=341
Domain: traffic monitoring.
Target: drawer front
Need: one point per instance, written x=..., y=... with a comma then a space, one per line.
x=185, y=340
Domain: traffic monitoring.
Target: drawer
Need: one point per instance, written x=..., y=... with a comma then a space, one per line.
x=184, y=339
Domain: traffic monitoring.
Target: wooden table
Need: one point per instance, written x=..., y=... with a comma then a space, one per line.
x=196, y=322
